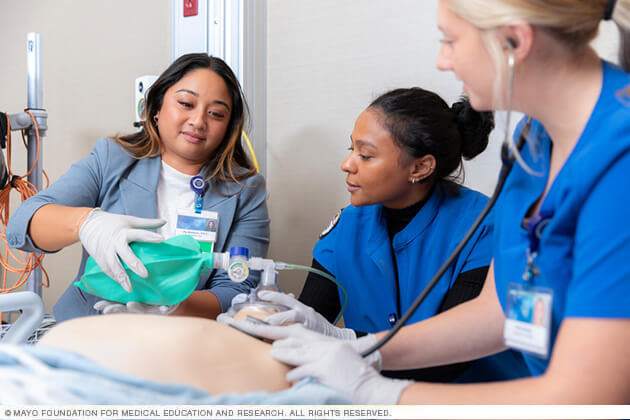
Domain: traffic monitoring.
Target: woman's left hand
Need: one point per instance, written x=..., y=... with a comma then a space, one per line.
x=109, y=307
x=335, y=363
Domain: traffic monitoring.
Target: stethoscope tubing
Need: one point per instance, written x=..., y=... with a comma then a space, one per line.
x=507, y=157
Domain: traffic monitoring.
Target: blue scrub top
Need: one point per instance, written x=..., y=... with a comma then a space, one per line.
x=583, y=255
x=358, y=252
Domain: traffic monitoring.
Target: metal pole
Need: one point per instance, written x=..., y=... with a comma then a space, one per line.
x=35, y=105
x=33, y=70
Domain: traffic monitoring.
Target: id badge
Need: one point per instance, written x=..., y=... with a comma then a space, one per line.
x=201, y=226
x=528, y=319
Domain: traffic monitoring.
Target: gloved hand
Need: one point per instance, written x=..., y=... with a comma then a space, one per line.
x=336, y=364
x=109, y=307
x=106, y=236
x=300, y=313
x=374, y=359
x=303, y=314
x=298, y=331
x=240, y=298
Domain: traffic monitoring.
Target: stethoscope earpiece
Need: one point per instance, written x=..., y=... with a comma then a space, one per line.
x=510, y=43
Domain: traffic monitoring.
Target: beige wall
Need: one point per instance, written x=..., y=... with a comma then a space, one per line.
x=92, y=51
x=327, y=59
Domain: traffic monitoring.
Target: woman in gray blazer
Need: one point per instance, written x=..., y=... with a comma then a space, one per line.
x=195, y=112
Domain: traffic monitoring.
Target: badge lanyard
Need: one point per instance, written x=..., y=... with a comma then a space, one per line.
x=535, y=226
x=200, y=224
x=528, y=309
x=198, y=185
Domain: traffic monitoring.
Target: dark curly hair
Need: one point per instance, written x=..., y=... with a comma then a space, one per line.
x=421, y=123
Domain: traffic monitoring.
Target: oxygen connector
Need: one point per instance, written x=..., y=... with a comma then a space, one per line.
x=268, y=277
x=238, y=266
x=238, y=269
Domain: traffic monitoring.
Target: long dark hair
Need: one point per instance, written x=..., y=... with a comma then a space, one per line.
x=421, y=123
x=230, y=153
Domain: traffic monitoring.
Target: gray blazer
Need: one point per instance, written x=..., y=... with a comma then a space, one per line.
x=111, y=179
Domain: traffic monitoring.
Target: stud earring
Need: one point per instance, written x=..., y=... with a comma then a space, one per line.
x=413, y=180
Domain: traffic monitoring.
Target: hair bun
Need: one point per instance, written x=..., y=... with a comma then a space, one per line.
x=474, y=127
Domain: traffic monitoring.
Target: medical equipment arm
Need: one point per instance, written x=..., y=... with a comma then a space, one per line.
x=32, y=308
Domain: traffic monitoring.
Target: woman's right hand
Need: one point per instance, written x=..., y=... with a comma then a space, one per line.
x=303, y=314
x=106, y=236
x=337, y=364
x=300, y=333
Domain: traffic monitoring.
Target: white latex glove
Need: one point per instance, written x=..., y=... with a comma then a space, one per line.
x=270, y=332
x=298, y=331
x=240, y=298
x=336, y=364
x=303, y=314
x=106, y=236
x=374, y=359
x=109, y=307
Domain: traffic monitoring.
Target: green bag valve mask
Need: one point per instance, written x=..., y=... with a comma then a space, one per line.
x=174, y=266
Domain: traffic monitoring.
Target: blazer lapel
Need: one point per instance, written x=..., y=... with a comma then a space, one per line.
x=139, y=197
x=138, y=189
x=226, y=207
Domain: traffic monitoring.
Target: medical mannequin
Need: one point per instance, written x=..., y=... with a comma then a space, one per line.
x=193, y=351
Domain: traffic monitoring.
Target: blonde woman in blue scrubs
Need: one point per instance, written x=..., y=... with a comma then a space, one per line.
x=562, y=234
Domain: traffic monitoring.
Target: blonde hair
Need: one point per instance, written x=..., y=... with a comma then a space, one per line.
x=572, y=22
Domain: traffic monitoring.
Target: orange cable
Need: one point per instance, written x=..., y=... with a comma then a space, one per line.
x=23, y=264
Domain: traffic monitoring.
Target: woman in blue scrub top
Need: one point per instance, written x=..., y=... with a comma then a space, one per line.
x=195, y=112
x=561, y=232
x=407, y=215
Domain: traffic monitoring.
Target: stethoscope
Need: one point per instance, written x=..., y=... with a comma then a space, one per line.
x=508, y=157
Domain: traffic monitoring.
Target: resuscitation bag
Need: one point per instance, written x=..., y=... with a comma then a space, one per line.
x=174, y=265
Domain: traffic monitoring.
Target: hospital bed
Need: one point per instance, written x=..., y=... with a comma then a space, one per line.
x=41, y=375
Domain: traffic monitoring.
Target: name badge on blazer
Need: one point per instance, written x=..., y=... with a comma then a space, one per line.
x=202, y=226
